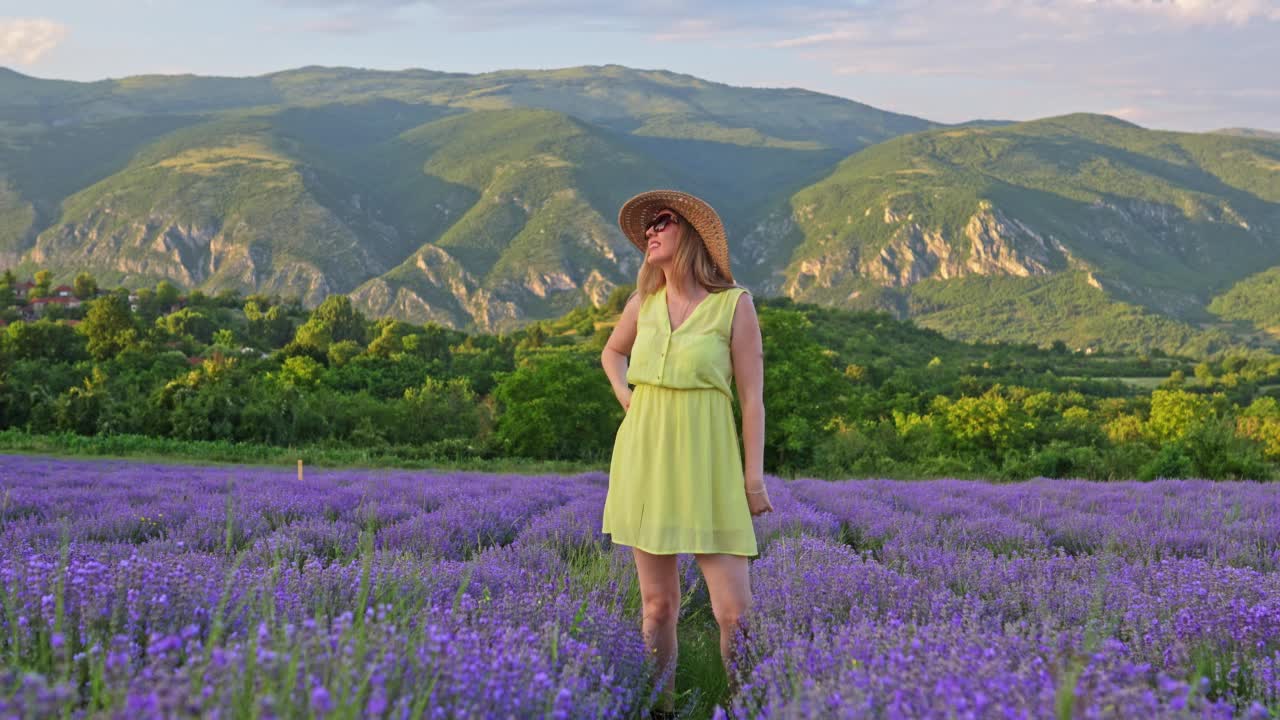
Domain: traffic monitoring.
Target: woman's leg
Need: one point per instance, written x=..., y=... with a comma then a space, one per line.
x=660, y=599
x=729, y=585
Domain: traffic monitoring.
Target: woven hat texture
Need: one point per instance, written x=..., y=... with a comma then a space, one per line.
x=637, y=212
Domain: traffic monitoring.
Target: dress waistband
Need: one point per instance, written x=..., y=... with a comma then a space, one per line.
x=715, y=390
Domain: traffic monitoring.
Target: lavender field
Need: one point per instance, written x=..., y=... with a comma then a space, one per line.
x=134, y=590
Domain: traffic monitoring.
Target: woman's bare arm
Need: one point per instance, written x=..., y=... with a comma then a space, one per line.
x=618, y=348
x=747, y=352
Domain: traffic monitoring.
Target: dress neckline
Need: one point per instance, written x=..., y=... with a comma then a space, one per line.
x=666, y=310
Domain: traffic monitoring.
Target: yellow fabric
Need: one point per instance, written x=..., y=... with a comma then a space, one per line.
x=675, y=478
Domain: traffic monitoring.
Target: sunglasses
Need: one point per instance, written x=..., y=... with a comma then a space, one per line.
x=661, y=222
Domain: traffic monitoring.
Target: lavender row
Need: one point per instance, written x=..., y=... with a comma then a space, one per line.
x=154, y=590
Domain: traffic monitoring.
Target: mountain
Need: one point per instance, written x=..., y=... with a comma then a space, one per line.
x=472, y=200
x=958, y=227
x=1250, y=132
x=486, y=201
x=1254, y=301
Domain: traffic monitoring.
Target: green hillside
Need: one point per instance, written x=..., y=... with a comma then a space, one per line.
x=475, y=200
x=1254, y=301
x=487, y=201
x=1155, y=223
x=226, y=203
x=1250, y=132
x=514, y=213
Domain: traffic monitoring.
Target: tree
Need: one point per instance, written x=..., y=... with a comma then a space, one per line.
x=189, y=322
x=224, y=338
x=228, y=298
x=1175, y=413
x=480, y=359
x=300, y=372
x=989, y=424
x=1261, y=422
x=441, y=409
x=535, y=337
x=43, y=340
x=334, y=321
x=80, y=408
x=803, y=389
x=1217, y=452
x=1204, y=373
x=271, y=328
x=148, y=307
x=109, y=325
x=433, y=342
x=341, y=353
x=390, y=339
x=85, y=286
x=555, y=405
x=207, y=403
x=44, y=284
x=166, y=295
x=618, y=298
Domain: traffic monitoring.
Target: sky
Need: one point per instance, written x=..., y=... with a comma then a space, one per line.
x=1188, y=65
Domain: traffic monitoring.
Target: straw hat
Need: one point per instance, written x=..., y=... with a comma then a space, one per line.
x=637, y=212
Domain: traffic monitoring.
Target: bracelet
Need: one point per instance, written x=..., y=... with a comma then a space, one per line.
x=756, y=492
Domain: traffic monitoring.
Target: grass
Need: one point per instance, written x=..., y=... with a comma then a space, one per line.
x=701, y=683
x=193, y=452
x=1148, y=383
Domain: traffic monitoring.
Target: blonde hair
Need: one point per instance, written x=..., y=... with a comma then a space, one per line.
x=691, y=257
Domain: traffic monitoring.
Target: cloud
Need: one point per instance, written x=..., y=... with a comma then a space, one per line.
x=23, y=41
x=347, y=24
x=662, y=20
x=685, y=29
x=822, y=38
x=1132, y=114
x=1169, y=62
x=1197, y=12
x=816, y=15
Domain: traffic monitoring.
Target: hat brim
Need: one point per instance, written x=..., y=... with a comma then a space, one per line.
x=637, y=212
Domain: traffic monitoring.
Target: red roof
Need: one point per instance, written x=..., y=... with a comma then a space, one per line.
x=60, y=288
x=59, y=300
x=28, y=284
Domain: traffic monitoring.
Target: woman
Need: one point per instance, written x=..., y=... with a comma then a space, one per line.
x=676, y=481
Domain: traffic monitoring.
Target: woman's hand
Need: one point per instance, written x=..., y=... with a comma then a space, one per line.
x=759, y=501
x=624, y=396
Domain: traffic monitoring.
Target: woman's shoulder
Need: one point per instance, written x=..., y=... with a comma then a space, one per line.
x=730, y=299
x=731, y=295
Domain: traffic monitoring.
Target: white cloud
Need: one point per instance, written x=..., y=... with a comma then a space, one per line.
x=349, y=24
x=24, y=41
x=822, y=38
x=1183, y=63
x=812, y=18
x=685, y=29
x=1132, y=114
x=1180, y=63
x=1198, y=12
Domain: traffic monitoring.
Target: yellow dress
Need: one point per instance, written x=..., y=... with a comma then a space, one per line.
x=675, y=480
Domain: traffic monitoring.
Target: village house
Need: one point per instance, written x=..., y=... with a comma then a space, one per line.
x=36, y=308
x=23, y=289
x=65, y=296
